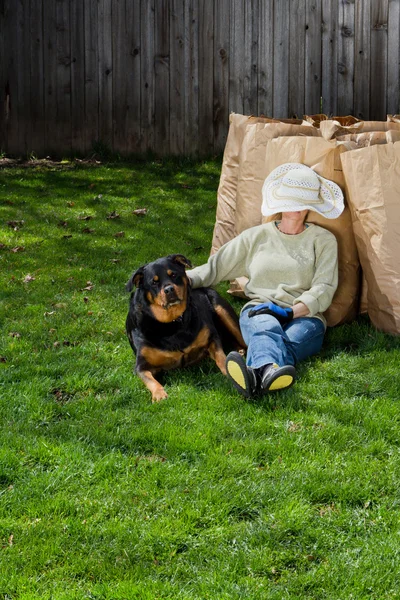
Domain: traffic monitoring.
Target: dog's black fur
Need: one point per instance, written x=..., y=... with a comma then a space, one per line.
x=171, y=325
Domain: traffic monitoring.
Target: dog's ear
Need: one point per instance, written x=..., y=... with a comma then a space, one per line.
x=181, y=260
x=135, y=280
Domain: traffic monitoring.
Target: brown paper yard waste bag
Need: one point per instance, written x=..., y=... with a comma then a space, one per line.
x=224, y=229
x=259, y=156
x=373, y=183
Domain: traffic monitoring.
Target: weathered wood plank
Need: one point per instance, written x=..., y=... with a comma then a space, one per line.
x=345, y=86
x=77, y=76
x=192, y=77
x=329, y=56
x=379, y=58
x=313, y=57
x=362, y=59
x=37, y=78
x=206, y=74
x=23, y=66
x=105, y=34
x=162, y=77
x=236, y=63
x=63, y=76
x=297, y=46
x=393, y=86
x=90, y=126
x=133, y=12
x=50, y=76
x=281, y=58
x=119, y=76
x=4, y=85
x=221, y=74
x=265, y=58
x=177, y=80
x=250, y=83
x=147, y=83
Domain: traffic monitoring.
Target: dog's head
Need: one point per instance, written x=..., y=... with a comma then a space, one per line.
x=164, y=286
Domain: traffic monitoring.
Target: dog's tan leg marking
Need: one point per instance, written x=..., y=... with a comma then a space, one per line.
x=230, y=324
x=217, y=354
x=157, y=391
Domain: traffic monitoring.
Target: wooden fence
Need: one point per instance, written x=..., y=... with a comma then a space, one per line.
x=163, y=75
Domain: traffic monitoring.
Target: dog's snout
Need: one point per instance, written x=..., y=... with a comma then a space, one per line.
x=169, y=290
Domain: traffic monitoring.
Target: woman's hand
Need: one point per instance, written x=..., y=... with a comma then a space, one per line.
x=300, y=310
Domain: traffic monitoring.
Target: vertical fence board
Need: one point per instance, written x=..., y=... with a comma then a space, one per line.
x=105, y=72
x=345, y=87
x=206, y=69
x=313, y=57
x=329, y=57
x=63, y=77
x=362, y=58
x=119, y=76
x=77, y=75
x=393, y=85
x=237, y=20
x=133, y=76
x=23, y=66
x=177, y=81
x=147, y=99
x=265, y=58
x=192, y=77
x=379, y=56
x=221, y=73
x=281, y=58
x=36, y=141
x=250, y=91
x=50, y=75
x=162, y=77
x=297, y=45
x=90, y=126
x=5, y=45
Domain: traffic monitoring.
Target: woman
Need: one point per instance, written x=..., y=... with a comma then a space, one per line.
x=292, y=267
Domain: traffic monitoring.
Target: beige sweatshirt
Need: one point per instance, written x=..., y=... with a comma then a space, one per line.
x=281, y=268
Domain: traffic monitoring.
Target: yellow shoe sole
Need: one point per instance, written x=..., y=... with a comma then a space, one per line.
x=281, y=382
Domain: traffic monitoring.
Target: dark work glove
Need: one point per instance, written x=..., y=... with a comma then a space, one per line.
x=284, y=315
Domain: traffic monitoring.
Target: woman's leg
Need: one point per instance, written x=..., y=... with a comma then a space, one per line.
x=268, y=342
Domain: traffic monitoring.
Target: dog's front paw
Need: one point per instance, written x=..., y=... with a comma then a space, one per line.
x=158, y=395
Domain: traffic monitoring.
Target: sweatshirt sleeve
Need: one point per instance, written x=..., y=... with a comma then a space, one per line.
x=229, y=262
x=325, y=281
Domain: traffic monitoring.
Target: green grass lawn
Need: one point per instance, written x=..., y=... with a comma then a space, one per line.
x=104, y=495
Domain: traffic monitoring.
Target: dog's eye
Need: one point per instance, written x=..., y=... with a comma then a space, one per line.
x=173, y=275
x=154, y=282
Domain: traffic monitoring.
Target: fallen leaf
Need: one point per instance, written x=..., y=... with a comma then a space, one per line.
x=2, y=246
x=119, y=234
x=85, y=217
x=10, y=540
x=70, y=204
x=14, y=334
x=56, y=344
x=87, y=230
x=86, y=299
x=3, y=359
x=15, y=224
x=89, y=286
x=113, y=215
x=140, y=212
x=18, y=249
x=60, y=305
x=29, y=278
x=63, y=224
x=115, y=260
x=48, y=314
x=66, y=237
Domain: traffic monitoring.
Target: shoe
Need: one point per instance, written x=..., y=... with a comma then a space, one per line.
x=277, y=378
x=243, y=377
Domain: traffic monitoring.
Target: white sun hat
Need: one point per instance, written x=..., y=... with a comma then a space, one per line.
x=293, y=186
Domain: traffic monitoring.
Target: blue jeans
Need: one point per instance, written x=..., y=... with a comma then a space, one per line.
x=270, y=342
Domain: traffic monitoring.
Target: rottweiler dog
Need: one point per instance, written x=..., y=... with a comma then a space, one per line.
x=171, y=325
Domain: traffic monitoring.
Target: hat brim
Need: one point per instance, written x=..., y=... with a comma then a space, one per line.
x=330, y=203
